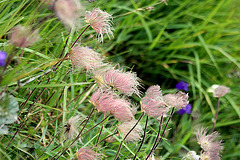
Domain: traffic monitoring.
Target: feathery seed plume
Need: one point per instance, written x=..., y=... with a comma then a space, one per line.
x=177, y=100
x=220, y=91
x=127, y=82
x=121, y=110
x=71, y=131
x=101, y=22
x=21, y=36
x=85, y=57
x=136, y=133
x=87, y=154
x=103, y=100
x=152, y=103
x=191, y=155
x=210, y=146
x=68, y=11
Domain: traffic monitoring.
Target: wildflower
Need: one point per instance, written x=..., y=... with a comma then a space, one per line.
x=182, y=86
x=210, y=146
x=68, y=11
x=102, y=100
x=87, y=154
x=178, y=100
x=85, y=57
x=191, y=155
x=71, y=127
x=100, y=21
x=220, y=91
x=99, y=73
x=3, y=56
x=136, y=133
x=187, y=109
x=127, y=82
x=121, y=110
x=152, y=103
x=107, y=101
x=21, y=36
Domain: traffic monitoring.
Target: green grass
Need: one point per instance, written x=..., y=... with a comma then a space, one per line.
x=195, y=41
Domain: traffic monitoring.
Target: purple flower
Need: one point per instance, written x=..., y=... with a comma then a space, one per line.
x=182, y=86
x=3, y=56
x=186, y=109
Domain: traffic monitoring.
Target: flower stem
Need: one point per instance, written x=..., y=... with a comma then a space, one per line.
x=159, y=130
x=159, y=141
x=215, y=119
x=79, y=36
x=106, y=138
x=100, y=132
x=96, y=125
x=144, y=135
x=127, y=135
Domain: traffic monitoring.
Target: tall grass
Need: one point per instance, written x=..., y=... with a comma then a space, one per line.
x=195, y=41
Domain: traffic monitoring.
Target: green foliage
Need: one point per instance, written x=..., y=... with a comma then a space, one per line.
x=9, y=108
x=195, y=41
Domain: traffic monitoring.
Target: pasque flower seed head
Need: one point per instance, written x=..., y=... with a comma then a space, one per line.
x=21, y=36
x=152, y=103
x=101, y=22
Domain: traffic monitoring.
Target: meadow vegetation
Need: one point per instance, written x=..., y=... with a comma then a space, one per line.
x=97, y=79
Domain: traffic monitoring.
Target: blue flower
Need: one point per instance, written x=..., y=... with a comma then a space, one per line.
x=187, y=109
x=3, y=56
x=182, y=86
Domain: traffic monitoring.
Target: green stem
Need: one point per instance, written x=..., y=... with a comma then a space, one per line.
x=216, y=115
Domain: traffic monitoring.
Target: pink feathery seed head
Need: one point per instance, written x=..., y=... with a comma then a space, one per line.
x=101, y=22
x=177, y=100
x=210, y=156
x=127, y=82
x=98, y=74
x=87, y=154
x=208, y=142
x=68, y=11
x=136, y=133
x=152, y=103
x=103, y=100
x=21, y=36
x=220, y=91
x=85, y=57
x=121, y=110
